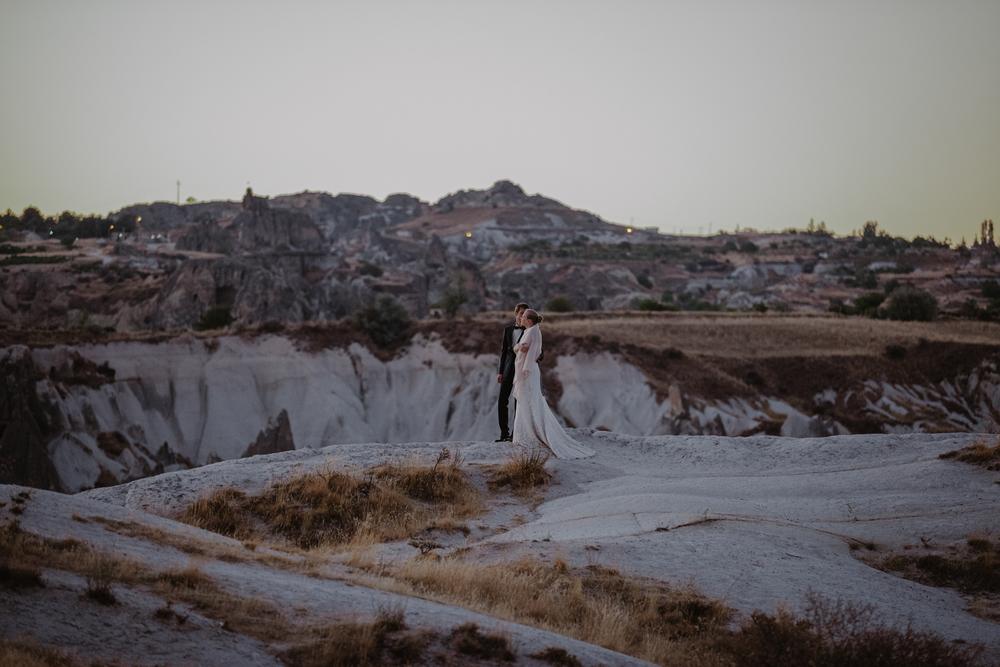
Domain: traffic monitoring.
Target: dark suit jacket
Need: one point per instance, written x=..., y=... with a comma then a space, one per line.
x=507, y=350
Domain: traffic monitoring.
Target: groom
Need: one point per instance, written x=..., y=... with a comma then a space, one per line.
x=505, y=371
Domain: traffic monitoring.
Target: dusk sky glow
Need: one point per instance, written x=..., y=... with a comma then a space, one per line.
x=679, y=115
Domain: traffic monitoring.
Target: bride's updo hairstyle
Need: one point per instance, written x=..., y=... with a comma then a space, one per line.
x=532, y=315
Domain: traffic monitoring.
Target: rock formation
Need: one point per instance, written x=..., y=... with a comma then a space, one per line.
x=273, y=438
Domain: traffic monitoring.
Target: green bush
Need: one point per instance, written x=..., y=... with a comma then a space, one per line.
x=868, y=303
x=910, y=303
x=559, y=304
x=651, y=304
x=454, y=298
x=991, y=289
x=217, y=317
x=386, y=322
x=32, y=259
x=369, y=269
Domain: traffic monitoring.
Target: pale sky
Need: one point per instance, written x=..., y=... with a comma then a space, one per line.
x=670, y=114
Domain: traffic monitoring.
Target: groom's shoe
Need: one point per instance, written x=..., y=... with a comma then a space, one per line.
x=509, y=438
x=503, y=438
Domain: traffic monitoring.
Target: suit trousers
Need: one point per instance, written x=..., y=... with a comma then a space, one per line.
x=503, y=404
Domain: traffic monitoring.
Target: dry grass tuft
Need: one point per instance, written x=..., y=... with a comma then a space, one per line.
x=594, y=604
x=665, y=625
x=381, y=641
x=970, y=568
x=103, y=571
x=982, y=453
x=835, y=635
x=168, y=614
x=442, y=482
x=16, y=578
x=557, y=656
x=334, y=508
x=468, y=640
x=248, y=616
x=523, y=471
x=221, y=512
x=25, y=653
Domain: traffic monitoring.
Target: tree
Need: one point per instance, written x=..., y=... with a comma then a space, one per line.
x=454, y=298
x=559, y=304
x=651, y=304
x=32, y=219
x=386, y=321
x=910, y=303
x=217, y=317
x=868, y=303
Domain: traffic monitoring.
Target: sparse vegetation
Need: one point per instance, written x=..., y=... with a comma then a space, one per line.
x=454, y=297
x=557, y=656
x=33, y=259
x=970, y=568
x=386, y=322
x=837, y=635
x=895, y=352
x=15, y=578
x=595, y=604
x=369, y=269
x=246, y=615
x=910, y=303
x=523, y=471
x=26, y=653
x=99, y=579
x=217, y=317
x=468, y=640
x=378, y=642
x=332, y=507
x=652, y=305
x=559, y=304
x=982, y=453
x=652, y=621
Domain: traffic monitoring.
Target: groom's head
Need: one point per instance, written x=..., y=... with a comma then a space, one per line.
x=518, y=311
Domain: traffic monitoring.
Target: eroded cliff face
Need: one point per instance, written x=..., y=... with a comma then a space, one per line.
x=103, y=413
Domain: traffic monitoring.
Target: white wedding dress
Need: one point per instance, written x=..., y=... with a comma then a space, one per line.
x=534, y=423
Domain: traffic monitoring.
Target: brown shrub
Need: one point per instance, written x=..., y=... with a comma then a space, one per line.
x=245, y=615
x=99, y=578
x=973, y=569
x=20, y=577
x=557, y=656
x=221, y=512
x=381, y=641
x=468, y=640
x=523, y=471
x=594, y=604
x=836, y=634
x=331, y=507
x=982, y=453
x=24, y=653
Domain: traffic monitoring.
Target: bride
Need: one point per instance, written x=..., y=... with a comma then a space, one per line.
x=534, y=423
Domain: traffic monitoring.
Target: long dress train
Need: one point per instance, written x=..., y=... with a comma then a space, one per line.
x=534, y=422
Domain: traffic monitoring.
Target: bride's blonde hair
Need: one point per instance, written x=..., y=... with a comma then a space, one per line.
x=532, y=315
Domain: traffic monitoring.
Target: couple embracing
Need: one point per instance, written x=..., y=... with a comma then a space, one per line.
x=518, y=374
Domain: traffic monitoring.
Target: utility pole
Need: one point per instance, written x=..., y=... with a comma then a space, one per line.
x=178, y=193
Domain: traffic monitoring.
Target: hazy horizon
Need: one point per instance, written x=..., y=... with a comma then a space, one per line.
x=678, y=115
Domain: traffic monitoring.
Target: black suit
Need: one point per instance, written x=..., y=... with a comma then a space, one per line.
x=506, y=370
